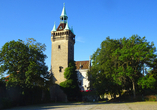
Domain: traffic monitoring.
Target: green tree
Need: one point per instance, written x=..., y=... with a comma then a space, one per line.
x=118, y=62
x=102, y=70
x=153, y=71
x=147, y=82
x=24, y=63
x=70, y=85
x=135, y=52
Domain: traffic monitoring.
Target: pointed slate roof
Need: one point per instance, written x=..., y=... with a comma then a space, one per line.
x=63, y=11
x=67, y=26
x=54, y=27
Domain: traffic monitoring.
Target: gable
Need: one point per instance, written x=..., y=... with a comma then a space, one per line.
x=61, y=27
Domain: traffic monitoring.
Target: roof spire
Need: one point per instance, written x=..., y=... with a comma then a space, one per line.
x=54, y=27
x=63, y=17
x=67, y=26
x=63, y=11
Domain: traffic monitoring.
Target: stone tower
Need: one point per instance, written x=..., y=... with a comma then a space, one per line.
x=63, y=40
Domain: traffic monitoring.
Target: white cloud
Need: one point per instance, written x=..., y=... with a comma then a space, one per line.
x=80, y=39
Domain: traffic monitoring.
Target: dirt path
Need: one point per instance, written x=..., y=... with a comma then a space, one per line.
x=92, y=106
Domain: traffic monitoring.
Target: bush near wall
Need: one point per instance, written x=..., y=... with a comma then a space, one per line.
x=150, y=95
x=150, y=98
x=90, y=96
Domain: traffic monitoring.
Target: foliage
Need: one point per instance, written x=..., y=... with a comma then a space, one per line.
x=32, y=44
x=24, y=63
x=70, y=72
x=150, y=98
x=118, y=63
x=134, y=53
x=70, y=85
x=153, y=71
x=103, y=68
x=147, y=82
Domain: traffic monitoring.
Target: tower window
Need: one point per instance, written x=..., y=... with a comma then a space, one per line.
x=60, y=69
x=59, y=47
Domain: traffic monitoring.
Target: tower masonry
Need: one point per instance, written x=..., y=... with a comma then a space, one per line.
x=63, y=40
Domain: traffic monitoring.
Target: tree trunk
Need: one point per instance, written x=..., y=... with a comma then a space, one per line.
x=133, y=84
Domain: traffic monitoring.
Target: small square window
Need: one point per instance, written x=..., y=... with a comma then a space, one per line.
x=59, y=47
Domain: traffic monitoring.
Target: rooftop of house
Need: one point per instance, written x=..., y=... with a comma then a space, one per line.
x=82, y=64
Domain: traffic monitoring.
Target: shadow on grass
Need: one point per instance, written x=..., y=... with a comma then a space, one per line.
x=56, y=105
x=59, y=105
x=64, y=105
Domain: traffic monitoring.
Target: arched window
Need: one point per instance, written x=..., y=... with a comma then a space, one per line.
x=60, y=69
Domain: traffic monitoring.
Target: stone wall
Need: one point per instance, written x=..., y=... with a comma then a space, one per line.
x=10, y=96
x=2, y=94
x=57, y=94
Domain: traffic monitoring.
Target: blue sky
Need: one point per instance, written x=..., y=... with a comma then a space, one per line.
x=92, y=21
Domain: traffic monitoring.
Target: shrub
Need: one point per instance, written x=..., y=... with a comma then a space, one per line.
x=150, y=98
x=70, y=85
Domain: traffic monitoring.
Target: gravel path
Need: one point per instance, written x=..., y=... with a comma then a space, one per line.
x=93, y=106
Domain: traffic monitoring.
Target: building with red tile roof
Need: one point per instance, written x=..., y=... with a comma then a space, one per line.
x=82, y=64
x=82, y=68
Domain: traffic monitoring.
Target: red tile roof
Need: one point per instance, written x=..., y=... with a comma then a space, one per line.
x=7, y=78
x=84, y=64
x=61, y=26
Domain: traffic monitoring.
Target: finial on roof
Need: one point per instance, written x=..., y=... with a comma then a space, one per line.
x=54, y=27
x=67, y=26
